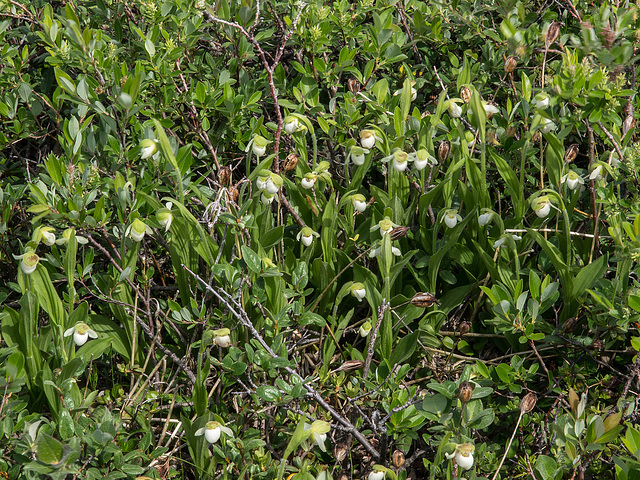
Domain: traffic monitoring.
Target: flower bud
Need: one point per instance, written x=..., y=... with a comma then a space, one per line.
x=510, y=64
x=464, y=392
x=528, y=402
x=424, y=300
x=443, y=150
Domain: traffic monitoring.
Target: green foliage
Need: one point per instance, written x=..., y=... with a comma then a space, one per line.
x=288, y=236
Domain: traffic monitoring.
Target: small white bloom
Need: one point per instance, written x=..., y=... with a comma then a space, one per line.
x=596, y=173
x=414, y=93
x=499, y=242
x=259, y=145
x=490, y=109
x=221, y=337
x=359, y=202
x=81, y=333
x=357, y=155
x=367, y=139
x=541, y=206
x=266, y=198
x=455, y=110
x=212, y=431
x=138, y=229
x=463, y=455
x=400, y=160
x=273, y=184
x=385, y=226
x=292, y=125
x=309, y=180
x=263, y=178
x=306, y=236
x=376, y=475
x=357, y=290
x=451, y=218
x=148, y=148
x=165, y=217
x=573, y=180
x=422, y=158
x=547, y=126
x=485, y=218
x=318, y=433
x=47, y=235
x=541, y=100
x=29, y=262
x=365, y=329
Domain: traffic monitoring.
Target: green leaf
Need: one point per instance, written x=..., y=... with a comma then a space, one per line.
x=64, y=81
x=404, y=349
x=547, y=467
x=49, y=450
x=268, y=393
x=252, y=259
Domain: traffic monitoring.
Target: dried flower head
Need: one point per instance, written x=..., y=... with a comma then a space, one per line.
x=528, y=402
x=510, y=64
x=424, y=300
x=443, y=150
x=464, y=392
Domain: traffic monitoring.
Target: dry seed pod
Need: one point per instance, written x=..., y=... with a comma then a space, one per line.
x=465, y=94
x=340, y=451
x=232, y=194
x=443, y=150
x=398, y=232
x=464, y=328
x=536, y=136
x=552, y=34
x=510, y=64
x=349, y=365
x=528, y=402
x=424, y=300
x=397, y=458
x=569, y=325
x=464, y=392
x=290, y=162
x=224, y=176
x=353, y=85
x=571, y=153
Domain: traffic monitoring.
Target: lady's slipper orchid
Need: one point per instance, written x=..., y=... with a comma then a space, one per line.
x=414, y=92
x=148, y=148
x=451, y=218
x=367, y=139
x=541, y=100
x=547, y=126
x=400, y=160
x=490, y=109
x=385, y=226
x=365, y=329
x=29, y=262
x=572, y=180
x=485, y=218
x=359, y=202
x=273, y=184
x=309, y=180
x=221, y=337
x=137, y=230
x=376, y=475
x=165, y=217
x=212, y=431
x=45, y=235
x=306, y=236
x=292, y=125
x=258, y=145
x=357, y=290
x=376, y=251
x=508, y=238
x=541, y=206
x=596, y=173
x=463, y=455
x=357, y=155
x=263, y=178
x=81, y=333
x=455, y=110
x=318, y=433
x=267, y=198
x=422, y=158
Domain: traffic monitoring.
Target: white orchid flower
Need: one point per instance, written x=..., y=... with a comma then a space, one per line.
x=365, y=329
x=212, y=431
x=357, y=290
x=29, y=262
x=221, y=337
x=541, y=100
x=485, y=218
x=572, y=180
x=368, y=139
x=359, y=202
x=81, y=333
x=463, y=455
x=541, y=206
x=451, y=218
x=422, y=158
x=137, y=230
x=306, y=236
x=148, y=148
x=309, y=180
x=356, y=154
x=318, y=433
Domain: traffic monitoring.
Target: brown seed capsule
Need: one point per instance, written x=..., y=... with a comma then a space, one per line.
x=465, y=94
x=510, y=64
x=224, y=176
x=397, y=458
x=464, y=328
x=569, y=325
x=528, y=402
x=571, y=153
x=340, y=451
x=290, y=162
x=424, y=300
x=628, y=124
x=511, y=132
x=464, y=392
x=552, y=34
x=349, y=365
x=353, y=85
x=536, y=136
x=398, y=232
x=232, y=194
x=443, y=150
